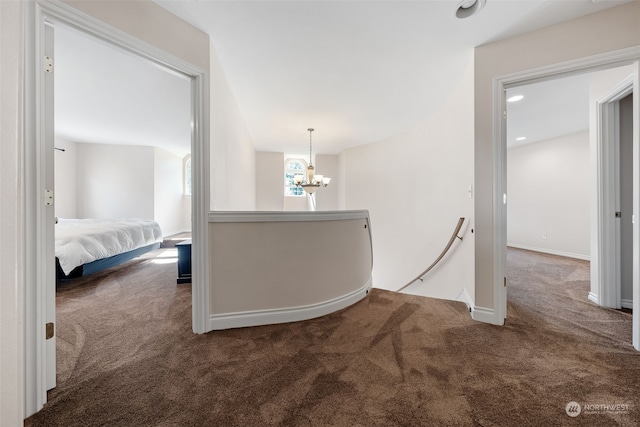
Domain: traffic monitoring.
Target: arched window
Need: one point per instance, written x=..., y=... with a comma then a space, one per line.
x=293, y=167
x=187, y=175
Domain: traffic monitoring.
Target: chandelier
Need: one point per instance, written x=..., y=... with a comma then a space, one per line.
x=311, y=182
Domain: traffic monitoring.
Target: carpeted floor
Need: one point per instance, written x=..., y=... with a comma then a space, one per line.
x=127, y=357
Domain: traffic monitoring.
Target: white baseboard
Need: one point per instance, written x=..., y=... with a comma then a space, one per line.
x=624, y=303
x=465, y=298
x=485, y=315
x=173, y=233
x=550, y=251
x=285, y=315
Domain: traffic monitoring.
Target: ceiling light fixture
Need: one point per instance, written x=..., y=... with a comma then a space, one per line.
x=521, y=138
x=515, y=98
x=469, y=7
x=311, y=182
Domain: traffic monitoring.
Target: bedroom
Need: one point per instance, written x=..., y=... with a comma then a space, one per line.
x=552, y=134
x=122, y=150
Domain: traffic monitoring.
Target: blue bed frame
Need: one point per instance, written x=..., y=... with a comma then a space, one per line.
x=104, y=263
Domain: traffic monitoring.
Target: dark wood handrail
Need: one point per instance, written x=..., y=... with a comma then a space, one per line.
x=442, y=254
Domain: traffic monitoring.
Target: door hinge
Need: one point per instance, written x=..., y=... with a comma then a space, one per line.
x=504, y=114
x=48, y=197
x=48, y=64
x=49, y=330
x=505, y=282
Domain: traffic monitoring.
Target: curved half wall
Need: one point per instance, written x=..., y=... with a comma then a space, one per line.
x=276, y=267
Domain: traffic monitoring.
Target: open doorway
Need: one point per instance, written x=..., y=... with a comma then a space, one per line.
x=552, y=134
x=122, y=158
x=39, y=167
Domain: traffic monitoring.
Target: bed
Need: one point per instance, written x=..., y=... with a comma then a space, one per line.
x=85, y=246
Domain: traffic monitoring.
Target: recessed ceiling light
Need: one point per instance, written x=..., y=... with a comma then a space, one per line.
x=469, y=7
x=515, y=98
x=521, y=138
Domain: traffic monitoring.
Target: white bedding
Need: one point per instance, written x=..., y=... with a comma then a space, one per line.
x=79, y=241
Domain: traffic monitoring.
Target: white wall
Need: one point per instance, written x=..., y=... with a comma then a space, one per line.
x=269, y=181
x=415, y=186
x=578, y=38
x=115, y=181
x=65, y=179
x=12, y=239
x=233, y=158
x=327, y=197
x=126, y=181
x=548, y=192
x=172, y=209
x=296, y=203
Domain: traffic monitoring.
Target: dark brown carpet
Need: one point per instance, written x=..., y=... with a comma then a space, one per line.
x=127, y=357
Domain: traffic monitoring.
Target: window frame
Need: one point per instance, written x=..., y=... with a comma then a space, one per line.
x=289, y=186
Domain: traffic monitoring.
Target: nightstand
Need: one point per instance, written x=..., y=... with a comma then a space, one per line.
x=184, y=261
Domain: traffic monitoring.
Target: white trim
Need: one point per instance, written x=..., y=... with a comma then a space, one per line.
x=500, y=204
x=285, y=315
x=593, y=298
x=281, y=216
x=464, y=297
x=626, y=303
x=57, y=11
x=46, y=214
x=550, y=251
x=35, y=355
x=485, y=315
x=37, y=13
x=606, y=277
x=200, y=203
x=636, y=205
x=601, y=61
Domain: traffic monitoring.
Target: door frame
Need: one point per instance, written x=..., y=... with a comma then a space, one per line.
x=39, y=242
x=608, y=229
x=627, y=56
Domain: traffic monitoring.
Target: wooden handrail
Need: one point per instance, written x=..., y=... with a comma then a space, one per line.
x=442, y=254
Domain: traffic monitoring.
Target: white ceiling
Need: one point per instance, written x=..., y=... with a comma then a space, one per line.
x=548, y=109
x=551, y=108
x=356, y=71
x=104, y=95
